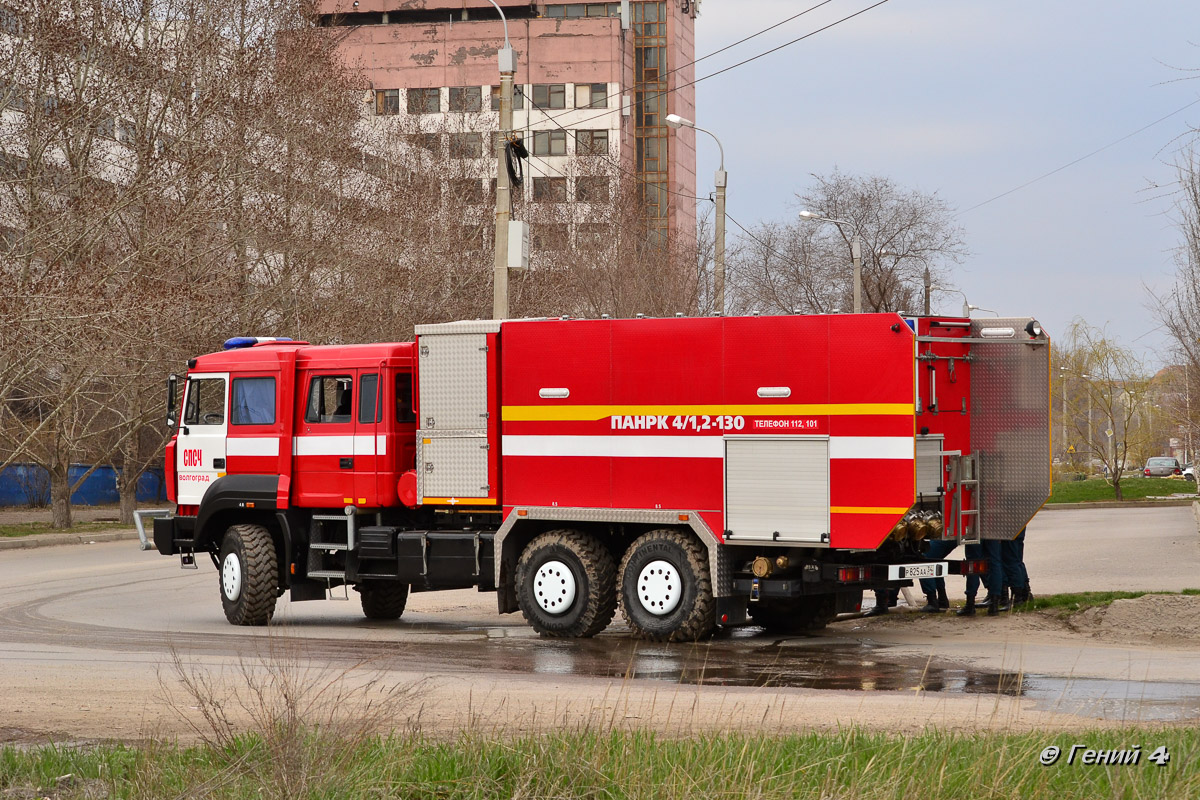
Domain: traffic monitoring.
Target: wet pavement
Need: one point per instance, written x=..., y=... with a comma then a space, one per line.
x=115, y=601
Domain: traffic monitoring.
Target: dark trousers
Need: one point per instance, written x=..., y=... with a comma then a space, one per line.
x=936, y=550
x=994, y=580
x=1012, y=554
x=973, y=552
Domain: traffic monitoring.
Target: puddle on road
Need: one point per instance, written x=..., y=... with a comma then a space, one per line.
x=741, y=661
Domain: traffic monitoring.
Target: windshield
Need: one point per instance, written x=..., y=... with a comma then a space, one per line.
x=1161, y=462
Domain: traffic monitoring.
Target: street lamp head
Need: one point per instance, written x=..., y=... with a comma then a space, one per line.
x=806, y=214
x=676, y=121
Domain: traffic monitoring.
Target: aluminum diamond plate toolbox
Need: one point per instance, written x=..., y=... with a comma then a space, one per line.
x=453, y=466
x=453, y=381
x=1010, y=424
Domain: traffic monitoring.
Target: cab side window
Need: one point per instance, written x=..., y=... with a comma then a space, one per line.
x=404, y=398
x=253, y=401
x=330, y=399
x=205, y=402
x=368, y=400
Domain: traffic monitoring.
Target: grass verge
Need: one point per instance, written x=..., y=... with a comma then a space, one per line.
x=1070, y=603
x=848, y=765
x=17, y=529
x=1097, y=489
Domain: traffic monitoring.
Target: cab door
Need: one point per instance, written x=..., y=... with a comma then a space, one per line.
x=200, y=445
x=324, y=443
x=371, y=457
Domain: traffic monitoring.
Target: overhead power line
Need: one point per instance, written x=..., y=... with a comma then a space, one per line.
x=1070, y=164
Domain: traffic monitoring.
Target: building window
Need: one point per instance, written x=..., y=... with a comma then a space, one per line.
x=549, y=236
x=424, y=101
x=11, y=22
x=591, y=189
x=591, y=95
x=514, y=191
x=580, y=10
x=591, y=143
x=518, y=98
x=550, y=143
x=387, y=102
x=117, y=129
x=466, y=99
x=592, y=236
x=467, y=190
x=549, y=190
x=549, y=95
x=466, y=145
x=426, y=141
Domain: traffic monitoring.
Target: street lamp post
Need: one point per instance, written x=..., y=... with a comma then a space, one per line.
x=720, y=180
x=855, y=253
x=508, y=70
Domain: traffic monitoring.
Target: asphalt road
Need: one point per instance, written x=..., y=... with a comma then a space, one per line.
x=89, y=636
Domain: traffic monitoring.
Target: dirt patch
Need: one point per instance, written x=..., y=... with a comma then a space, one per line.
x=1160, y=619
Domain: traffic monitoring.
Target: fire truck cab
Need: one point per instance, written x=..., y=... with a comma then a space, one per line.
x=691, y=472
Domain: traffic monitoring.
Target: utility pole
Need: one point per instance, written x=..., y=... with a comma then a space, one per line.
x=856, y=257
x=721, y=178
x=928, y=289
x=508, y=69
x=1062, y=373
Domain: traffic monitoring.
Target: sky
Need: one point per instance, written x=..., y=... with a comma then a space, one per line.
x=969, y=99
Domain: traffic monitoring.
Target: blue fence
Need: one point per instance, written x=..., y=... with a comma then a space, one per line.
x=28, y=484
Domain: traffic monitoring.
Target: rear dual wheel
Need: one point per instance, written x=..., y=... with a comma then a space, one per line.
x=666, y=590
x=566, y=584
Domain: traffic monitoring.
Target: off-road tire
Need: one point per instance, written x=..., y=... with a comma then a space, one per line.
x=696, y=615
x=255, y=550
x=794, y=615
x=383, y=600
x=595, y=572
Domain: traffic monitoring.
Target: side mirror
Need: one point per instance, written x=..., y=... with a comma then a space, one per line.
x=172, y=386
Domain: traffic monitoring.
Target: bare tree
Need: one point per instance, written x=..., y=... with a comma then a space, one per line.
x=1109, y=408
x=806, y=265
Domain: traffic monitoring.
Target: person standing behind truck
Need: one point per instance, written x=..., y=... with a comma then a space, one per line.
x=989, y=550
x=1016, y=576
x=936, y=600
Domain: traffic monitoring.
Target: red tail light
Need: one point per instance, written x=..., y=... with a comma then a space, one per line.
x=1146, y=472
x=852, y=574
x=1178, y=471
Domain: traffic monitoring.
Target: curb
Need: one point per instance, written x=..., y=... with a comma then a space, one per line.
x=1183, y=501
x=1196, y=514
x=34, y=540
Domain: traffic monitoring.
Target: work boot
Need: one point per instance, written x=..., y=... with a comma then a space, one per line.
x=993, y=607
x=968, y=610
x=1005, y=603
x=931, y=605
x=1022, y=597
x=876, y=611
x=942, y=600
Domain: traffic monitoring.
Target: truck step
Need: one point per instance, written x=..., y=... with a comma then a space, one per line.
x=327, y=573
x=330, y=546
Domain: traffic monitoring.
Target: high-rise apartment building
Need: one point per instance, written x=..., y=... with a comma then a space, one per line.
x=594, y=84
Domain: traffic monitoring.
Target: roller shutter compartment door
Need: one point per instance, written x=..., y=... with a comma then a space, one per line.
x=777, y=489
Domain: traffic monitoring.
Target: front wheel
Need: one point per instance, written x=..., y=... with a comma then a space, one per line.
x=249, y=576
x=566, y=584
x=666, y=592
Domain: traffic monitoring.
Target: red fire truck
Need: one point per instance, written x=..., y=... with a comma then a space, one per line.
x=691, y=472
